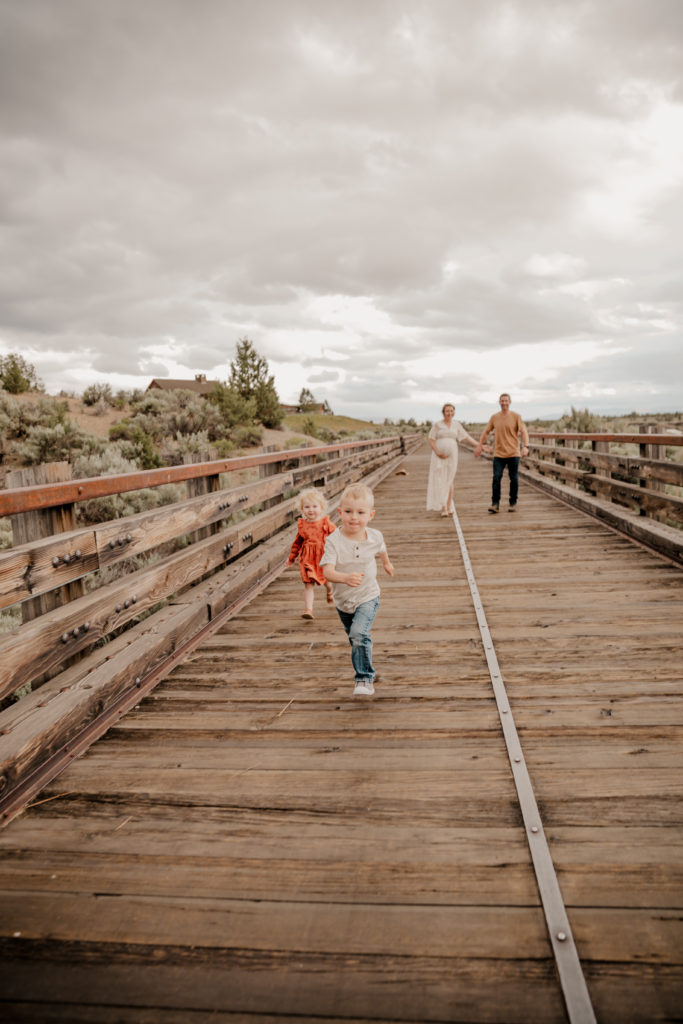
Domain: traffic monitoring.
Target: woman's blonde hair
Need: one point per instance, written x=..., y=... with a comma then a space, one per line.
x=313, y=496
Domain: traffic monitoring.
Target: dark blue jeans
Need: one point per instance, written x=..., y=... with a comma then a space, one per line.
x=358, y=625
x=513, y=472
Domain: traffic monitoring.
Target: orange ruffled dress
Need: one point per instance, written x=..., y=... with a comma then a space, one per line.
x=309, y=546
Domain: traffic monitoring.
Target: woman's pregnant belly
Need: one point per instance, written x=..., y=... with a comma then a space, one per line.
x=447, y=446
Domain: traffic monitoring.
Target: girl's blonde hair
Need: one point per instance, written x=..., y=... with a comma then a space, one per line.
x=312, y=495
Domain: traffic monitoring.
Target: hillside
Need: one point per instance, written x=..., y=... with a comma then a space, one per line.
x=97, y=420
x=329, y=421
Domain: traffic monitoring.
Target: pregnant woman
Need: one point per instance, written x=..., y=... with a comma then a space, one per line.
x=443, y=438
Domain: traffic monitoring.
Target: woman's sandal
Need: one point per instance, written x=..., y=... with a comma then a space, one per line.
x=306, y=614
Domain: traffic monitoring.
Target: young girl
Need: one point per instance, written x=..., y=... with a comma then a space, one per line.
x=313, y=528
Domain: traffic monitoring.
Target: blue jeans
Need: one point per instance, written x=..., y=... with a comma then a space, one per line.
x=358, y=625
x=499, y=465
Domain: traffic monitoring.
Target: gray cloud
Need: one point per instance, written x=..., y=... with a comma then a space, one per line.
x=481, y=176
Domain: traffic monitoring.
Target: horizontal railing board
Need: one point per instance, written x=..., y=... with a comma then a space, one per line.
x=27, y=570
x=26, y=499
x=670, y=440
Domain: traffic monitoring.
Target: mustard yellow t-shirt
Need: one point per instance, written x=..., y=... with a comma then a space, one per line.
x=507, y=428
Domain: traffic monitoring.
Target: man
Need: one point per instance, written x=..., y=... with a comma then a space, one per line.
x=507, y=426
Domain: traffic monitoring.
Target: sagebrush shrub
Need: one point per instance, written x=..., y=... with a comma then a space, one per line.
x=113, y=461
x=162, y=414
x=96, y=393
x=55, y=444
x=18, y=418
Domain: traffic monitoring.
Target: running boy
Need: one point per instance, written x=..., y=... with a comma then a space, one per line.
x=349, y=564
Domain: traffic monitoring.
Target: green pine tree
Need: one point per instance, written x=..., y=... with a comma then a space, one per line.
x=17, y=376
x=250, y=379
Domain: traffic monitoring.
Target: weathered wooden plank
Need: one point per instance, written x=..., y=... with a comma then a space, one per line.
x=29, y=569
x=129, y=749
x=262, y=982
x=384, y=715
x=322, y=878
x=342, y=928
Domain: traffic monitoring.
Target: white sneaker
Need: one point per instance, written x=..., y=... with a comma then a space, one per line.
x=364, y=688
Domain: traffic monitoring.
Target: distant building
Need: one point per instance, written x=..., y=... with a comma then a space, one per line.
x=200, y=385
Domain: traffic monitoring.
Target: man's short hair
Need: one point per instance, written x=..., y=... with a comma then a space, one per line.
x=504, y=394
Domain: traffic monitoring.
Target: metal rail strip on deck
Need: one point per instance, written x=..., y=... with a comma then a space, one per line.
x=572, y=980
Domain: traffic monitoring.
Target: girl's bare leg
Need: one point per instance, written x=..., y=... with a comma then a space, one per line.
x=308, y=597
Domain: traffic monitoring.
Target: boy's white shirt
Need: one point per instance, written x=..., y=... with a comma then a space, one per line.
x=348, y=555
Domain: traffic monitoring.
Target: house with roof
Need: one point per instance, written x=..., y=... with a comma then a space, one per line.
x=200, y=385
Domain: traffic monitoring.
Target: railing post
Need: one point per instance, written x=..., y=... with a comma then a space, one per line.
x=266, y=470
x=600, y=446
x=597, y=446
x=201, y=485
x=29, y=526
x=652, y=452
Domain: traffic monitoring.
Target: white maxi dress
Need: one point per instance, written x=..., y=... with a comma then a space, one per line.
x=442, y=471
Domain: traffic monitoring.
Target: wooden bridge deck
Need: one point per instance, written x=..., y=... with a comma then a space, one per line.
x=253, y=844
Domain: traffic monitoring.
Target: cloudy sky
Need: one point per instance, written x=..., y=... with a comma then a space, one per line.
x=400, y=202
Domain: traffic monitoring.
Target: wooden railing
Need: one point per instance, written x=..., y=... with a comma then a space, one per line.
x=622, y=487
x=88, y=652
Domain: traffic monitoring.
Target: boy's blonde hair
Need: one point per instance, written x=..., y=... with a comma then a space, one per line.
x=312, y=495
x=358, y=492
